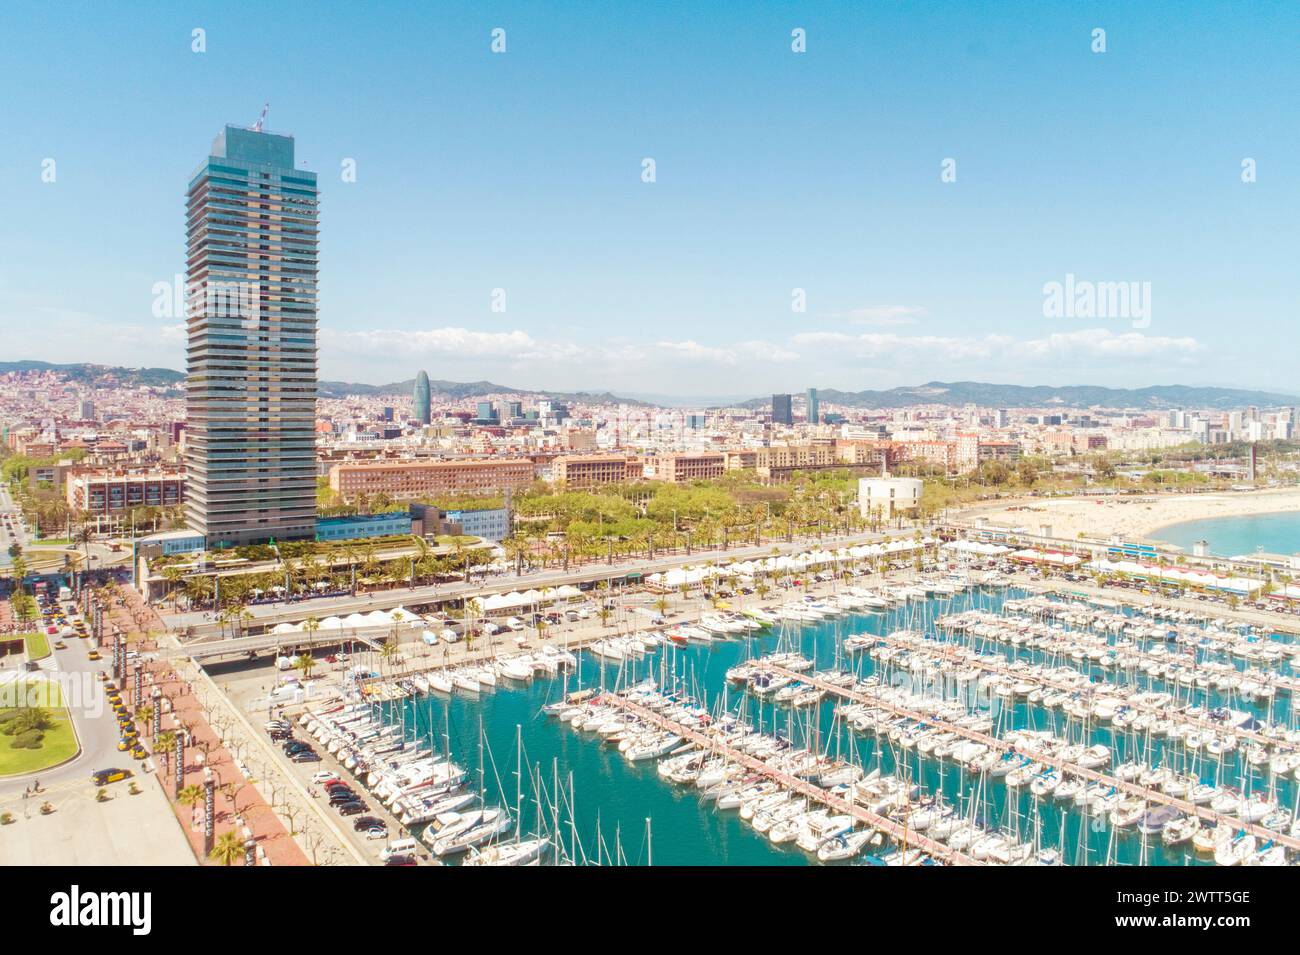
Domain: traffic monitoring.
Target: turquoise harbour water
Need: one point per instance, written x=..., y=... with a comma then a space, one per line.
x=1235, y=536
x=618, y=796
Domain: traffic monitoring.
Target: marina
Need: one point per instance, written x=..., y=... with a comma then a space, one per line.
x=931, y=719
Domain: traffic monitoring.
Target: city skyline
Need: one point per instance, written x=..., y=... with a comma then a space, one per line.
x=855, y=435
x=686, y=285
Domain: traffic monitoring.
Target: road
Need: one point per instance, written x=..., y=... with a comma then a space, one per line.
x=97, y=730
x=100, y=553
x=7, y=538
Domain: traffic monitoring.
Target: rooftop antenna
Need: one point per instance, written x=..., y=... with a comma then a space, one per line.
x=257, y=127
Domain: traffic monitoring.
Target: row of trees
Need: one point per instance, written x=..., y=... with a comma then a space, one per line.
x=343, y=567
x=558, y=528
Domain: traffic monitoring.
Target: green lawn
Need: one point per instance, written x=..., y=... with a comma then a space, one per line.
x=58, y=746
x=38, y=559
x=38, y=646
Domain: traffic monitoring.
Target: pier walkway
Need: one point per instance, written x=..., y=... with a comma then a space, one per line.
x=951, y=651
x=901, y=835
x=1148, y=795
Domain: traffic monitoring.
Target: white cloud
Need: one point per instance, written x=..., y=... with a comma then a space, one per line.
x=1106, y=344
x=433, y=341
x=729, y=354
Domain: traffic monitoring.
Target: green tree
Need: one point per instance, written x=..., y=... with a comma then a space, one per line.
x=228, y=848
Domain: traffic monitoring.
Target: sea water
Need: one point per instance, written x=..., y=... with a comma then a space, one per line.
x=1237, y=536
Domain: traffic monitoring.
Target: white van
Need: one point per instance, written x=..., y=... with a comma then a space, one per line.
x=398, y=847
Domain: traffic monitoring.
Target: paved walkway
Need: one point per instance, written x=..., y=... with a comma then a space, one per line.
x=238, y=804
x=125, y=830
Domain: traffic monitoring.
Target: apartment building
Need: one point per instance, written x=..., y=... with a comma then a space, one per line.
x=104, y=494
x=682, y=467
x=590, y=470
x=413, y=480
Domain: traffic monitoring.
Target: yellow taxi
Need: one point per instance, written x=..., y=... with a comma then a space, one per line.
x=102, y=777
x=138, y=752
x=93, y=655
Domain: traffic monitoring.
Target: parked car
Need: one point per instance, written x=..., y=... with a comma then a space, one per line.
x=352, y=808
x=305, y=756
x=366, y=821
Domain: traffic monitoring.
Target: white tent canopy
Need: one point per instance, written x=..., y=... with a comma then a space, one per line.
x=1178, y=575
x=784, y=562
x=980, y=548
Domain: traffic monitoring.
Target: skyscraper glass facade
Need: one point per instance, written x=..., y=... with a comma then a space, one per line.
x=782, y=409
x=420, y=400
x=251, y=270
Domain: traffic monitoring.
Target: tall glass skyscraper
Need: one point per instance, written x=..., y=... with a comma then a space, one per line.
x=782, y=409
x=814, y=408
x=420, y=400
x=251, y=267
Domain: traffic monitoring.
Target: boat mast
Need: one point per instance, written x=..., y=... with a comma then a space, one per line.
x=519, y=783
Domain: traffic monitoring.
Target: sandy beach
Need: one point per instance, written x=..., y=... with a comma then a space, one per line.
x=1134, y=518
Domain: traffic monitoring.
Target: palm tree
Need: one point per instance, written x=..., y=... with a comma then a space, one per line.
x=462, y=555
x=198, y=589
x=172, y=575
x=190, y=795
x=387, y=651
x=144, y=713
x=83, y=536
x=304, y=663
x=229, y=847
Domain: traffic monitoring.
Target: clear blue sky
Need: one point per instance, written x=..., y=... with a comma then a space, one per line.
x=775, y=171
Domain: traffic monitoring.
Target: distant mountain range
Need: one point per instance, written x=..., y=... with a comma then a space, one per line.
x=954, y=393
x=103, y=376
x=457, y=390
x=957, y=393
